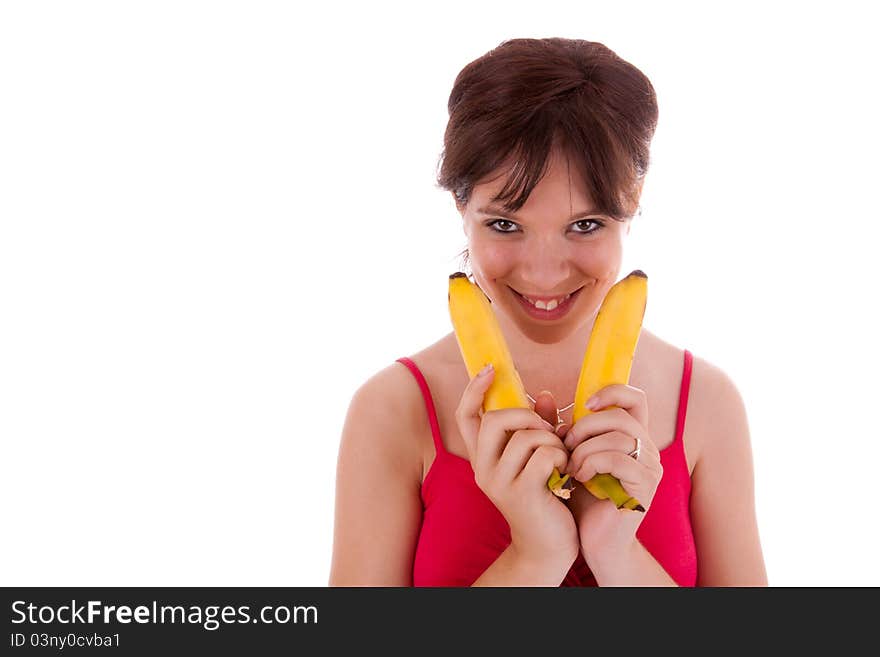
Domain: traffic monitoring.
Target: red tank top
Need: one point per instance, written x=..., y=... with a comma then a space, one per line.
x=463, y=533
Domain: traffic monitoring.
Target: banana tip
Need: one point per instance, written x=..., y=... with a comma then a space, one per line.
x=638, y=272
x=458, y=274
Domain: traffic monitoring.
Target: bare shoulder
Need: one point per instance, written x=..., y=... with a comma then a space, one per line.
x=384, y=411
x=391, y=393
x=391, y=403
x=710, y=385
x=656, y=359
x=713, y=400
x=716, y=415
x=715, y=386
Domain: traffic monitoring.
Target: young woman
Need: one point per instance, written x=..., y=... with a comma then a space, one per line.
x=545, y=153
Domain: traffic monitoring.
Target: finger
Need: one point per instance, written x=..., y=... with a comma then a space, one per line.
x=631, y=399
x=541, y=463
x=467, y=415
x=612, y=419
x=496, y=429
x=637, y=479
x=520, y=448
x=545, y=406
x=611, y=441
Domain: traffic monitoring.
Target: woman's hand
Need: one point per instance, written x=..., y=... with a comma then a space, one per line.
x=513, y=452
x=601, y=442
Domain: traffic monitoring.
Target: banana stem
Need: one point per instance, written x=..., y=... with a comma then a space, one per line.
x=560, y=485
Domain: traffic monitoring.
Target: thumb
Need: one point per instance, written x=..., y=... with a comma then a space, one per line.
x=468, y=415
x=545, y=406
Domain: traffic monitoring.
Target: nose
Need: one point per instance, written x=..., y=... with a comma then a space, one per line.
x=546, y=267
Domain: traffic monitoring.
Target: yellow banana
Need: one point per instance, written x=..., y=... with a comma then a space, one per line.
x=481, y=342
x=608, y=361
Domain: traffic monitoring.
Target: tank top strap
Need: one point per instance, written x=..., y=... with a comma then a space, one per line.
x=683, y=395
x=429, y=402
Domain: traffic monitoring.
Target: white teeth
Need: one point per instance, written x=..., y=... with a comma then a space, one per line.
x=548, y=305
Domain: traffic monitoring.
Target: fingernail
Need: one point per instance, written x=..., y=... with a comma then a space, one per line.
x=593, y=403
x=486, y=370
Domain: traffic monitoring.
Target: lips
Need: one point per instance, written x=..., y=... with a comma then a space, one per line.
x=548, y=315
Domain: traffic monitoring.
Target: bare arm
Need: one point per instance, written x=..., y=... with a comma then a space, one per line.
x=634, y=567
x=512, y=569
x=378, y=508
x=723, y=493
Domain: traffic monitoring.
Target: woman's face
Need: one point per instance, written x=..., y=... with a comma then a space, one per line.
x=554, y=246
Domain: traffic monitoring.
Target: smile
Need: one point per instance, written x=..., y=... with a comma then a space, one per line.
x=547, y=309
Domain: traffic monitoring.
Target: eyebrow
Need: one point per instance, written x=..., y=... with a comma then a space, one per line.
x=491, y=209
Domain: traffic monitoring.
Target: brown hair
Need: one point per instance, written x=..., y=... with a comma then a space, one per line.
x=525, y=97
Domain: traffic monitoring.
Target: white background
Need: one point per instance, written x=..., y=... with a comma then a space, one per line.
x=218, y=219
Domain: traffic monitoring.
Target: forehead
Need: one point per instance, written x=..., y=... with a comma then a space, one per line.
x=561, y=188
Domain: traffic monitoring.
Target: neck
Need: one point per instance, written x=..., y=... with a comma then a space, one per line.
x=553, y=366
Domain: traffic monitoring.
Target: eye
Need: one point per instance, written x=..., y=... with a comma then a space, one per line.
x=497, y=222
x=584, y=223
